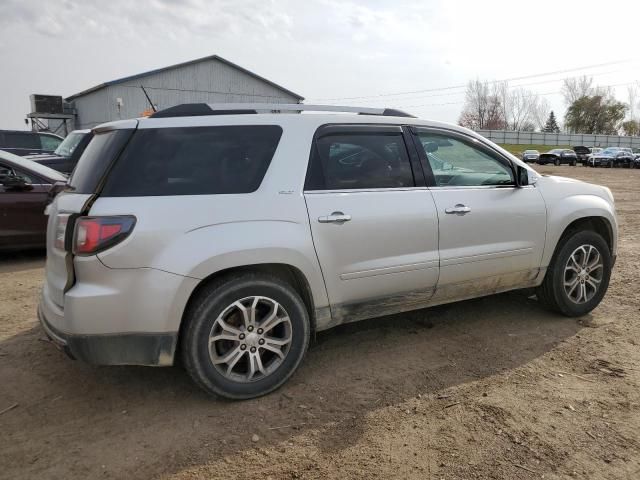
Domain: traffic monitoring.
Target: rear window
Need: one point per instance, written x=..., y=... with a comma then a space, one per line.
x=194, y=161
x=96, y=159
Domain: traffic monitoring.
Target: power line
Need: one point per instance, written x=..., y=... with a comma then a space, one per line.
x=439, y=89
x=511, y=87
x=531, y=95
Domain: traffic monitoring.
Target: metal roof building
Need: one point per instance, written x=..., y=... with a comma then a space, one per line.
x=210, y=79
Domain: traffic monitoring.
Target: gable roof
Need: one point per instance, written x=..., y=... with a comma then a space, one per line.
x=184, y=64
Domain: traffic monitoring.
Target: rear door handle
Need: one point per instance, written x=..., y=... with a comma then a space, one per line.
x=335, y=217
x=459, y=209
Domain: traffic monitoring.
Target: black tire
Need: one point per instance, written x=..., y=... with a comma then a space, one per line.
x=210, y=303
x=552, y=292
x=573, y=164
x=557, y=162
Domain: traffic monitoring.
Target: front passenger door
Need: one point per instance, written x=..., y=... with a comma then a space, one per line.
x=375, y=230
x=22, y=219
x=491, y=231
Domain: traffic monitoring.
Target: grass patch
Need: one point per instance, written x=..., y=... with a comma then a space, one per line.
x=518, y=149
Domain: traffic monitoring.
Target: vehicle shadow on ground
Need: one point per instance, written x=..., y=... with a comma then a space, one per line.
x=22, y=260
x=128, y=421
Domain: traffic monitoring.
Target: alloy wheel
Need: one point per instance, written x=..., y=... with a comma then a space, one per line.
x=250, y=339
x=583, y=274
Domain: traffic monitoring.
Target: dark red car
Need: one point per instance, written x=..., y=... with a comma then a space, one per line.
x=26, y=188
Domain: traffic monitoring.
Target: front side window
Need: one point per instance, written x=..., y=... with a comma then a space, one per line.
x=69, y=144
x=49, y=143
x=359, y=161
x=193, y=161
x=9, y=172
x=457, y=163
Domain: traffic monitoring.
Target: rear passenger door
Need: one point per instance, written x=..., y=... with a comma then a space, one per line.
x=374, y=223
x=492, y=232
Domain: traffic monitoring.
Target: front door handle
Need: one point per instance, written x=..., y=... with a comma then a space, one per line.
x=335, y=217
x=459, y=209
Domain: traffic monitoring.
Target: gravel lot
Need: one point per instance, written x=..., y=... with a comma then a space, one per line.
x=492, y=388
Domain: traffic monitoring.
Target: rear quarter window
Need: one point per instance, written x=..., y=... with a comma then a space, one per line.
x=194, y=161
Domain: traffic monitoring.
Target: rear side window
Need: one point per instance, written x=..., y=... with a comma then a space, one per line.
x=21, y=140
x=359, y=161
x=102, y=150
x=194, y=161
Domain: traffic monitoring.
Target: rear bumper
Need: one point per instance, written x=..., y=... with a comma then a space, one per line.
x=153, y=349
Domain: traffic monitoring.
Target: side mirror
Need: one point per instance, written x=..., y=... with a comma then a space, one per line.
x=522, y=176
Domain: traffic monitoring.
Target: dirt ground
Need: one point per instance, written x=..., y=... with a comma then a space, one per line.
x=495, y=388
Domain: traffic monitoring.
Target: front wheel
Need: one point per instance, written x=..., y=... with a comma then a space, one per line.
x=245, y=335
x=557, y=162
x=578, y=276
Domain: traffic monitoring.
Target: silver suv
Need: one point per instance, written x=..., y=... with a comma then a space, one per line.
x=225, y=235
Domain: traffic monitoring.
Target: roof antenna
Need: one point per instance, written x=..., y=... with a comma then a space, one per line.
x=153, y=107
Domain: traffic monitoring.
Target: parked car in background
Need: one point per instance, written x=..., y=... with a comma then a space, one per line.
x=23, y=142
x=65, y=157
x=530, y=155
x=612, y=157
x=25, y=190
x=558, y=156
x=594, y=151
x=317, y=220
x=582, y=153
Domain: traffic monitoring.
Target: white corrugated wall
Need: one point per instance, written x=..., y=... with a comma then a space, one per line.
x=209, y=81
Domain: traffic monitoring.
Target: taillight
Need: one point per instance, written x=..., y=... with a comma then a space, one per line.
x=95, y=234
x=60, y=230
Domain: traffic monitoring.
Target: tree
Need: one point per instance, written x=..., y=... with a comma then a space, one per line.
x=633, y=91
x=576, y=87
x=552, y=125
x=482, y=107
x=631, y=128
x=540, y=113
x=599, y=114
x=528, y=127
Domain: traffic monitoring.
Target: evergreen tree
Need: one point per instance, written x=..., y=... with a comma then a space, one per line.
x=551, y=126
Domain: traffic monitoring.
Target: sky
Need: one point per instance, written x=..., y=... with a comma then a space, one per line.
x=413, y=55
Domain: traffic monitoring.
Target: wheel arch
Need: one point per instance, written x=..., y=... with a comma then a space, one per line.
x=288, y=273
x=597, y=223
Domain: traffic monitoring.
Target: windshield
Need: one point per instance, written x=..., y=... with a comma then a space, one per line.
x=531, y=151
x=609, y=150
x=68, y=145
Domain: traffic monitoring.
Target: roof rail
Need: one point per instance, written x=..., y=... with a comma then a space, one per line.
x=200, y=109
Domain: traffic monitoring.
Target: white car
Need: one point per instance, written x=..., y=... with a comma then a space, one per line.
x=227, y=234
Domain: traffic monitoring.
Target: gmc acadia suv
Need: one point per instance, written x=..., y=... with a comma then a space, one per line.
x=225, y=235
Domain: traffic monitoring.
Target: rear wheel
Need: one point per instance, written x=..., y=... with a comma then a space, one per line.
x=578, y=276
x=245, y=336
x=557, y=162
